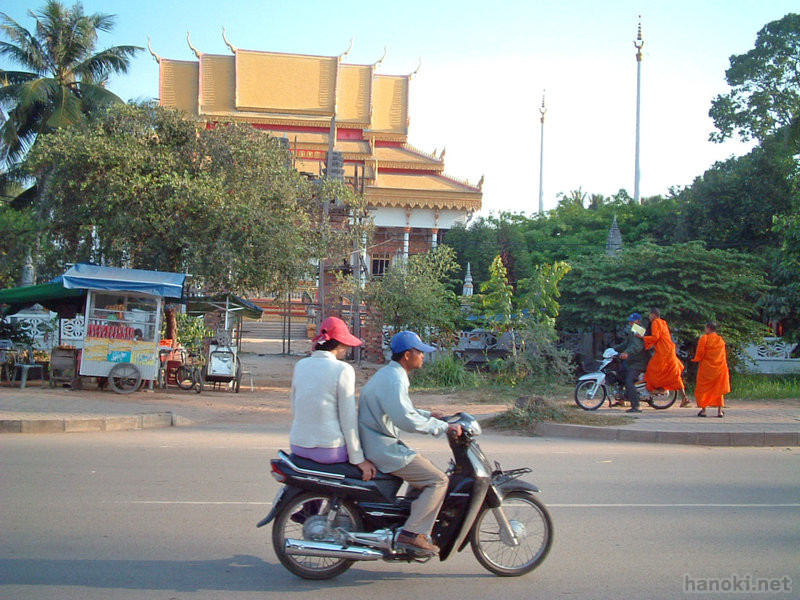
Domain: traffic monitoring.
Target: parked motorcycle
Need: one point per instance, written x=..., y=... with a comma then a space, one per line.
x=592, y=389
x=326, y=518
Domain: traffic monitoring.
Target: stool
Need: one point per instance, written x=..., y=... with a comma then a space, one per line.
x=250, y=375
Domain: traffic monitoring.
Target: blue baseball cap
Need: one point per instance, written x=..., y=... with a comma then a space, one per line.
x=406, y=340
x=634, y=317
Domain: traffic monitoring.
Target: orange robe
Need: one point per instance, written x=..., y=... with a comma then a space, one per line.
x=713, y=378
x=665, y=368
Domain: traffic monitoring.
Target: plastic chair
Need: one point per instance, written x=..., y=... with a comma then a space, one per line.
x=23, y=363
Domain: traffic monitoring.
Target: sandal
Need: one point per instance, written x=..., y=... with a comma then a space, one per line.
x=721, y=414
x=702, y=413
x=684, y=403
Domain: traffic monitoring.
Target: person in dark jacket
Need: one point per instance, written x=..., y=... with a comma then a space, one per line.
x=633, y=353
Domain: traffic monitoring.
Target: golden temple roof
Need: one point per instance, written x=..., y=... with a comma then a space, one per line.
x=296, y=96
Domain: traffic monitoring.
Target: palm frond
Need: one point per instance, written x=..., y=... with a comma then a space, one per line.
x=95, y=96
x=110, y=60
x=9, y=78
x=67, y=109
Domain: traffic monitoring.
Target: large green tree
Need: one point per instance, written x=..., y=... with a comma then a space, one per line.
x=62, y=76
x=765, y=85
x=690, y=284
x=417, y=294
x=141, y=186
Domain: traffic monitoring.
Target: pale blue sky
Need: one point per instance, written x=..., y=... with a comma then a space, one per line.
x=484, y=66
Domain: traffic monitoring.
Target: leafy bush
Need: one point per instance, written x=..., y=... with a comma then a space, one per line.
x=446, y=371
x=540, y=362
x=192, y=331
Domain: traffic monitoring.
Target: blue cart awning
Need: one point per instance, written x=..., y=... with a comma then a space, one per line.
x=155, y=283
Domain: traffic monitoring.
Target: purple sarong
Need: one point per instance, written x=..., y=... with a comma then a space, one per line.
x=326, y=456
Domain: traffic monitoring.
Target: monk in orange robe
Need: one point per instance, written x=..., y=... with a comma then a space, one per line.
x=713, y=377
x=665, y=368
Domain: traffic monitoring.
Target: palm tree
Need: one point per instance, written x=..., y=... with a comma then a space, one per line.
x=64, y=78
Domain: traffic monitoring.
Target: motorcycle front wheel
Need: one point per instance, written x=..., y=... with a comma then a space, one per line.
x=306, y=518
x=663, y=400
x=584, y=397
x=533, y=527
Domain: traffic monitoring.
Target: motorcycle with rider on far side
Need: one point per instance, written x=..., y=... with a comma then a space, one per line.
x=619, y=376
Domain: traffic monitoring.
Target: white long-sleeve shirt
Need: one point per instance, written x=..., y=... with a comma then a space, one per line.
x=324, y=405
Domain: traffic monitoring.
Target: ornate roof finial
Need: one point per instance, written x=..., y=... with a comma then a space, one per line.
x=614, y=241
x=542, y=109
x=410, y=75
x=227, y=43
x=441, y=156
x=480, y=183
x=150, y=48
x=468, y=288
x=189, y=41
x=382, y=58
x=639, y=42
x=346, y=52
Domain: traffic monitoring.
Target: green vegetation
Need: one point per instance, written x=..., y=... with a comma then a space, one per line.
x=447, y=371
x=528, y=411
x=748, y=386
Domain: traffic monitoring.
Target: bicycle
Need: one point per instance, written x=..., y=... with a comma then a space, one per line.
x=190, y=374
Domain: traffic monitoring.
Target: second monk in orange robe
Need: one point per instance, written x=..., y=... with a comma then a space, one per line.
x=713, y=377
x=665, y=368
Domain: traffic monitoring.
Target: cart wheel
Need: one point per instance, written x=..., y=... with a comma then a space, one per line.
x=125, y=378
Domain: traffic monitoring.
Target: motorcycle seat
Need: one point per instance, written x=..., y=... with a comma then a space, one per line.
x=342, y=468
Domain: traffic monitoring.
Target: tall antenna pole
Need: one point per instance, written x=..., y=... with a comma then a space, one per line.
x=638, y=44
x=542, y=110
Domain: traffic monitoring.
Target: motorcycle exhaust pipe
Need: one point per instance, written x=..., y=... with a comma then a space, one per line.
x=323, y=549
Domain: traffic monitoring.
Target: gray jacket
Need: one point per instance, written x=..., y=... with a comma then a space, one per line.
x=385, y=409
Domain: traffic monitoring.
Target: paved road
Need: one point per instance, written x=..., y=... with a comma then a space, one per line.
x=170, y=513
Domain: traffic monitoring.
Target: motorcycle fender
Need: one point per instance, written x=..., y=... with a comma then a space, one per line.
x=600, y=377
x=285, y=494
x=518, y=485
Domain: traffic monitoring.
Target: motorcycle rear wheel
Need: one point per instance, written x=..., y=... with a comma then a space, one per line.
x=532, y=524
x=291, y=522
x=584, y=400
x=662, y=401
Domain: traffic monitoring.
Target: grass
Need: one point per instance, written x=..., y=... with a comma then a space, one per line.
x=747, y=386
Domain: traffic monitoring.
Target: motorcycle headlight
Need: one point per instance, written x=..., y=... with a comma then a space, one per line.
x=470, y=425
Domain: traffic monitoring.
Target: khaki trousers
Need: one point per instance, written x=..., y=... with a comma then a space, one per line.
x=420, y=473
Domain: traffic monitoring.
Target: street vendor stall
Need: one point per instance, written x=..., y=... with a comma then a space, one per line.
x=124, y=308
x=223, y=364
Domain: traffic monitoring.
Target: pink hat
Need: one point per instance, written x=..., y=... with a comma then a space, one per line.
x=333, y=328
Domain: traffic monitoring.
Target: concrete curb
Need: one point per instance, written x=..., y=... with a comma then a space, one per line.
x=77, y=424
x=701, y=438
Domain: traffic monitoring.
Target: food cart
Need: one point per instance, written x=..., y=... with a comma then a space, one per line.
x=124, y=308
x=223, y=365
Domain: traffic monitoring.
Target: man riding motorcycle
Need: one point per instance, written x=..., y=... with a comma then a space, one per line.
x=384, y=409
x=636, y=357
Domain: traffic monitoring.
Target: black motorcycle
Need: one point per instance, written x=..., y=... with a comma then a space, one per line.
x=326, y=517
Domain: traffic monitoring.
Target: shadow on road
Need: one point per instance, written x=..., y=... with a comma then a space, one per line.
x=240, y=573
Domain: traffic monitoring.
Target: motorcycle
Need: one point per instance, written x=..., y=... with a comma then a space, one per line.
x=593, y=389
x=326, y=518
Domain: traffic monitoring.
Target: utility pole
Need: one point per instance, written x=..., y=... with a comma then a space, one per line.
x=542, y=110
x=638, y=44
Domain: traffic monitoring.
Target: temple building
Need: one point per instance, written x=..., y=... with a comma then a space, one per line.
x=321, y=104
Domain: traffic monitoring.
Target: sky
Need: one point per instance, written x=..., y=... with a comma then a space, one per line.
x=484, y=69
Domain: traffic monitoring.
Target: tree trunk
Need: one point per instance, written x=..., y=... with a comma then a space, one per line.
x=171, y=324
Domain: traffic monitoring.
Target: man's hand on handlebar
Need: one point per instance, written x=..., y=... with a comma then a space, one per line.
x=454, y=429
